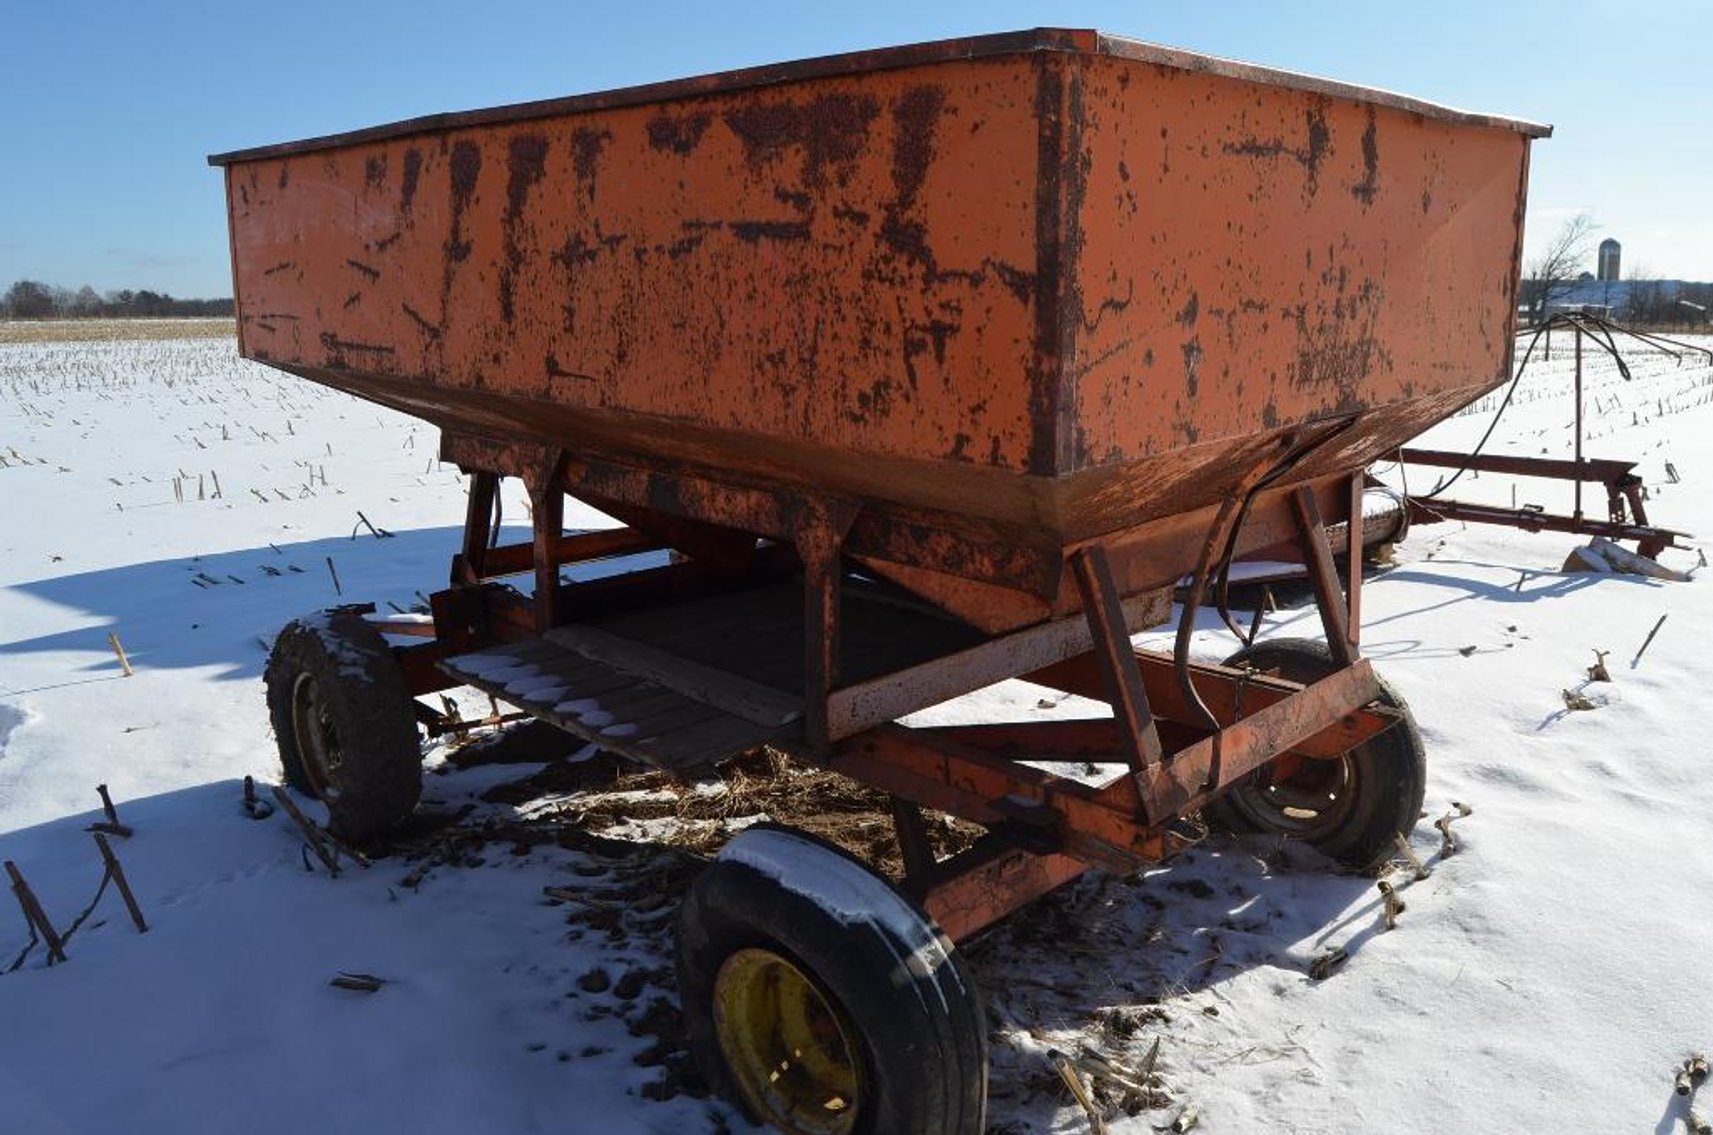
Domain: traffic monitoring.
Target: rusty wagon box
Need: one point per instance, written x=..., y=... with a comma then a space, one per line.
x=1057, y=282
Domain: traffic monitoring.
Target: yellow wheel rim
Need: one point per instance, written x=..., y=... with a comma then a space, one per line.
x=788, y=1047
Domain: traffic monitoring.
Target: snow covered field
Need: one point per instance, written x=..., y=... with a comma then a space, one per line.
x=1548, y=977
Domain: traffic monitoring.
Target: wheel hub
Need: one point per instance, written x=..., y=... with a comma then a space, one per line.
x=1301, y=795
x=317, y=740
x=787, y=1045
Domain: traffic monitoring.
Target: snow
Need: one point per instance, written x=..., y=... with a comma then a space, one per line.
x=1549, y=976
x=851, y=893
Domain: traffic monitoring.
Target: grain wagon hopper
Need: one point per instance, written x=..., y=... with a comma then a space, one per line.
x=934, y=367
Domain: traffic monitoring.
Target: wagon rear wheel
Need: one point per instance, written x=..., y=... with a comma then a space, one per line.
x=1350, y=807
x=821, y=1001
x=342, y=716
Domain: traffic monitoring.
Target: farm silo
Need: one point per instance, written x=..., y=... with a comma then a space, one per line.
x=1609, y=251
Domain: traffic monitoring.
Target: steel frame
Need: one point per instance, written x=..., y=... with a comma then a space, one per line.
x=1180, y=732
x=1626, y=514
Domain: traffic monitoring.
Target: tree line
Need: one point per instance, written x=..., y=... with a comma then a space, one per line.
x=32, y=299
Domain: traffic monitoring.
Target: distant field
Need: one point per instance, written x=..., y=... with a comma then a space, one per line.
x=112, y=330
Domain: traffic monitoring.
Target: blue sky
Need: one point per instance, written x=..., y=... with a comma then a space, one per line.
x=107, y=109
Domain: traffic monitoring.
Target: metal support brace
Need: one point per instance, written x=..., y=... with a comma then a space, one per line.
x=1329, y=596
x=478, y=523
x=548, y=504
x=1353, y=557
x=820, y=539
x=1117, y=660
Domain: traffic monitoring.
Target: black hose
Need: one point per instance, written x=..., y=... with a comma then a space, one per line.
x=1198, y=584
x=1602, y=332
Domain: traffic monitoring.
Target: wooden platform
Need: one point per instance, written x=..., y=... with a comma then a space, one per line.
x=620, y=709
x=690, y=684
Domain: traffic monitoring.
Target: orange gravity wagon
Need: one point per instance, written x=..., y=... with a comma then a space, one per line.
x=933, y=366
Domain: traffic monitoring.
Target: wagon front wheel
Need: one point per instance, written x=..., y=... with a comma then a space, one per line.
x=821, y=1001
x=1349, y=807
x=342, y=716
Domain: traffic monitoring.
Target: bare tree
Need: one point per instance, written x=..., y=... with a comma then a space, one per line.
x=1653, y=302
x=1554, y=270
x=29, y=299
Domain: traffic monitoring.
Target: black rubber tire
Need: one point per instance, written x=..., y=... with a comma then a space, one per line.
x=899, y=983
x=364, y=708
x=1385, y=776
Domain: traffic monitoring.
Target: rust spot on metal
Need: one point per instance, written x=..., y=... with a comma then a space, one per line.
x=1320, y=142
x=1111, y=305
x=407, y=184
x=1341, y=363
x=873, y=403
x=1018, y=282
x=679, y=134
x=526, y=163
x=337, y=348
x=1191, y=308
x=830, y=130
x=555, y=370
x=1341, y=350
x=914, y=117
x=1192, y=367
x=1366, y=189
x=752, y=231
x=417, y=317
x=586, y=146
x=577, y=249
x=1049, y=261
x=1071, y=440
x=1309, y=155
x=466, y=168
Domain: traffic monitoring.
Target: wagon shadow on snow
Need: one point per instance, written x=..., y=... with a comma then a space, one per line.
x=1531, y=586
x=210, y=610
x=222, y=610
